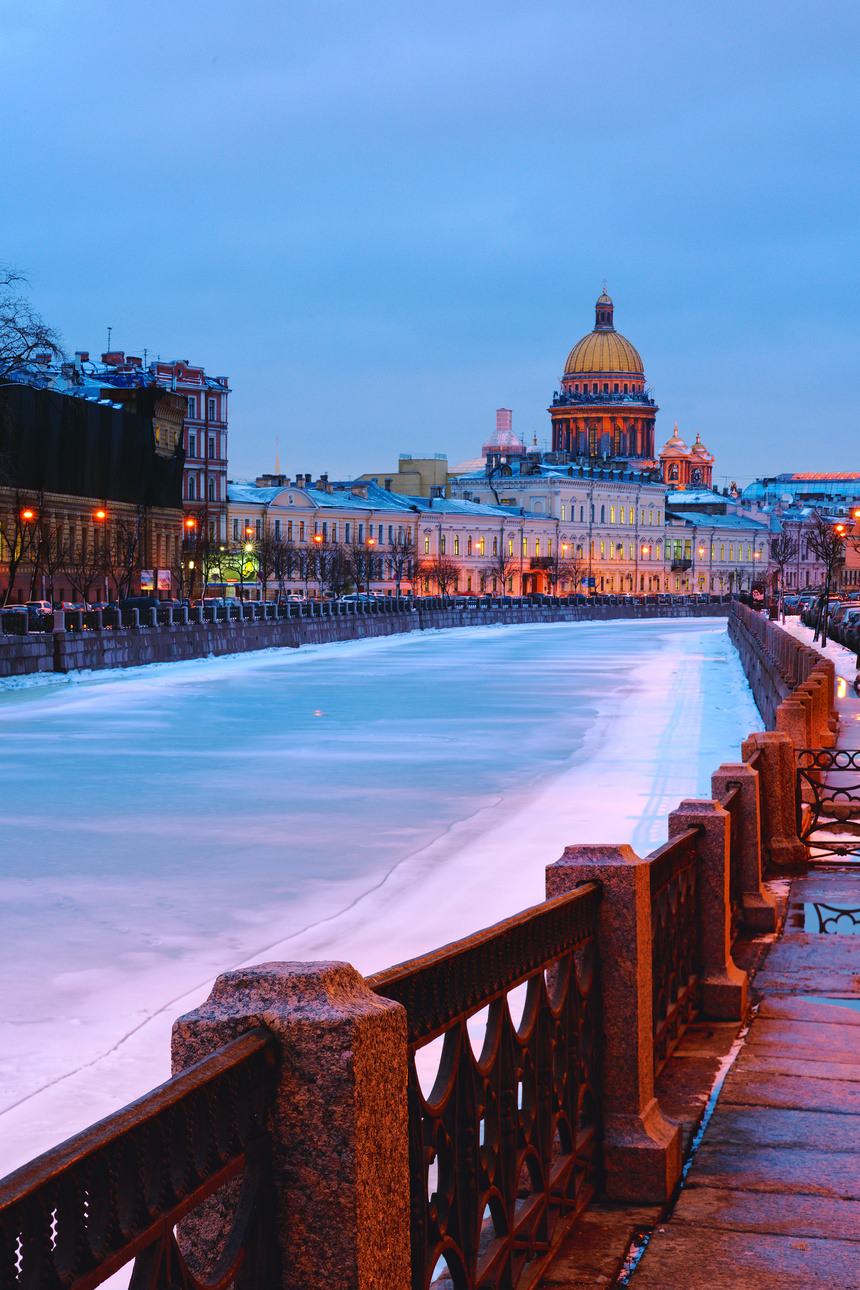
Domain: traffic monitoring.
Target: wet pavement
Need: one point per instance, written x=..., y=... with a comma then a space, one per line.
x=773, y=1195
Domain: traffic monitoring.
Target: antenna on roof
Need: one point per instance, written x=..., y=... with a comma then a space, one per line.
x=277, y=457
x=110, y=329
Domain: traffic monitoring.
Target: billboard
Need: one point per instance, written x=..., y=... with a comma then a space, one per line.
x=163, y=579
x=147, y=580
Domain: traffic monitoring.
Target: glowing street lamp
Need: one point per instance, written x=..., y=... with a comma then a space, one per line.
x=28, y=515
x=100, y=515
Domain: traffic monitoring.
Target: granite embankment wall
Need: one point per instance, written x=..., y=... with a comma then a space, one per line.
x=66, y=651
x=792, y=683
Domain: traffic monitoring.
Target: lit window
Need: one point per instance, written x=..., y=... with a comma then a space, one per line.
x=456, y=543
x=612, y=510
x=426, y=543
x=301, y=530
x=537, y=546
x=235, y=530
x=481, y=545
x=469, y=545
x=510, y=546
x=277, y=530
x=563, y=511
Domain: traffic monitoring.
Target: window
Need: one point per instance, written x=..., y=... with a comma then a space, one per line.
x=324, y=530
x=630, y=556
x=603, y=515
x=525, y=546
x=211, y=447
x=347, y=532
x=289, y=530
x=192, y=406
x=548, y=546
x=301, y=530
x=481, y=545
x=258, y=529
x=361, y=532
x=192, y=445
x=495, y=545
x=442, y=544
x=426, y=543
x=456, y=543
x=615, y=388
x=563, y=511
x=612, y=515
x=391, y=535
x=235, y=529
x=277, y=530
x=211, y=490
x=510, y=546
x=731, y=553
x=334, y=531
x=388, y=485
x=722, y=552
x=603, y=550
x=592, y=512
x=537, y=547
x=582, y=513
x=650, y=517
x=191, y=488
x=211, y=409
x=469, y=545
x=631, y=516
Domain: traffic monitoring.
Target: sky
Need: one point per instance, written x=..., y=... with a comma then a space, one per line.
x=383, y=222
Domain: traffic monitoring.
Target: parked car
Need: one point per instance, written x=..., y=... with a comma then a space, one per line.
x=39, y=606
x=358, y=595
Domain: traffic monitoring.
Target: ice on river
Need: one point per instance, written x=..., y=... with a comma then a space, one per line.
x=365, y=801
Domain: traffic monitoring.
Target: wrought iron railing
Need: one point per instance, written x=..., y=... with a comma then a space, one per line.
x=828, y=800
x=570, y=398
x=116, y=1192
x=503, y=1151
x=674, y=942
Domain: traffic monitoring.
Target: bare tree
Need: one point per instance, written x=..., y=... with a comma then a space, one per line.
x=782, y=550
x=444, y=572
x=360, y=563
x=266, y=551
x=18, y=530
x=400, y=558
x=283, y=564
x=500, y=564
x=87, y=563
x=54, y=551
x=558, y=569
x=23, y=332
x=123, y=555
x=826, y=539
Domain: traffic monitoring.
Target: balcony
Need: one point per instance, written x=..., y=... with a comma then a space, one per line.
x=679, y=565
x=573, y=398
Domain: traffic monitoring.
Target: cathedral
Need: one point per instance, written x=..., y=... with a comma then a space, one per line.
x=604, y=409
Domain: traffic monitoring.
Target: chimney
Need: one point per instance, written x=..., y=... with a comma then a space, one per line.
x=114, y=357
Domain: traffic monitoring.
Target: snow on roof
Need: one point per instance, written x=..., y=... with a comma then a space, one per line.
x=716, y=521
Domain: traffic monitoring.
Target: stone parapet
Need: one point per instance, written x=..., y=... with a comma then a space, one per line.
x=67, y=650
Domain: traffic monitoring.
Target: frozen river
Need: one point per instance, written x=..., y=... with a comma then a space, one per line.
x=365, y=801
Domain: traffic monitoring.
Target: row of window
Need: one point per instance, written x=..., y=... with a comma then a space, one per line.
x=212, y=444
x=630, y=387
x=194, y=489
x=196, y=401
x=623, y=512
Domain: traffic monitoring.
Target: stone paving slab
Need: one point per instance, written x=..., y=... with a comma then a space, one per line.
x=773, y=1061
x=797, y=1037
x=776, y=1215
x=754, y=1127
x=788, y=1008
x=592, y=1253
x=777, y=1169
x=705, y=1258
x=754, y=1088
x=802, y=963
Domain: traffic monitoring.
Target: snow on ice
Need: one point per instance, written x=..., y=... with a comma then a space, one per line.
x=366, y=801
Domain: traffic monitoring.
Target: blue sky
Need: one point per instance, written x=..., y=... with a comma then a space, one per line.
x=384, y=222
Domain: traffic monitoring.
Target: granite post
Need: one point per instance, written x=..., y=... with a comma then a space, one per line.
x=641, y=1147
x=777, y=794
x=759, y=906
x=339, y=1124
x=724, y=986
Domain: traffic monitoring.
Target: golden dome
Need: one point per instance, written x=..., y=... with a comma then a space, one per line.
x=604, y=351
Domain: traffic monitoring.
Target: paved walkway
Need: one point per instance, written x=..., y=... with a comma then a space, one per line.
x=773, y=1195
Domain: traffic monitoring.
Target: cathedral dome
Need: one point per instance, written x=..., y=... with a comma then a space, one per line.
x=604, y=351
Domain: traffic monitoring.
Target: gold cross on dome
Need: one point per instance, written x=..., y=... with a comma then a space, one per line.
x=604, y=286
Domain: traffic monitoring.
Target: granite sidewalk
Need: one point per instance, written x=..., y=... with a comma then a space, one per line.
x=773, y=1195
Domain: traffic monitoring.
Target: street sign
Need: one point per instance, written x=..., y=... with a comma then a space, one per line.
x=589, y=582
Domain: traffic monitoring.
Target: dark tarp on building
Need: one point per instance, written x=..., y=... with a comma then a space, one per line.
x=55, y=443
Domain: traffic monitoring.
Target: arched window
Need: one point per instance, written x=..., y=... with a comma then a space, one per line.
x=673, y=471
x=191, y=488
x=211, y=490
x=603, y=515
